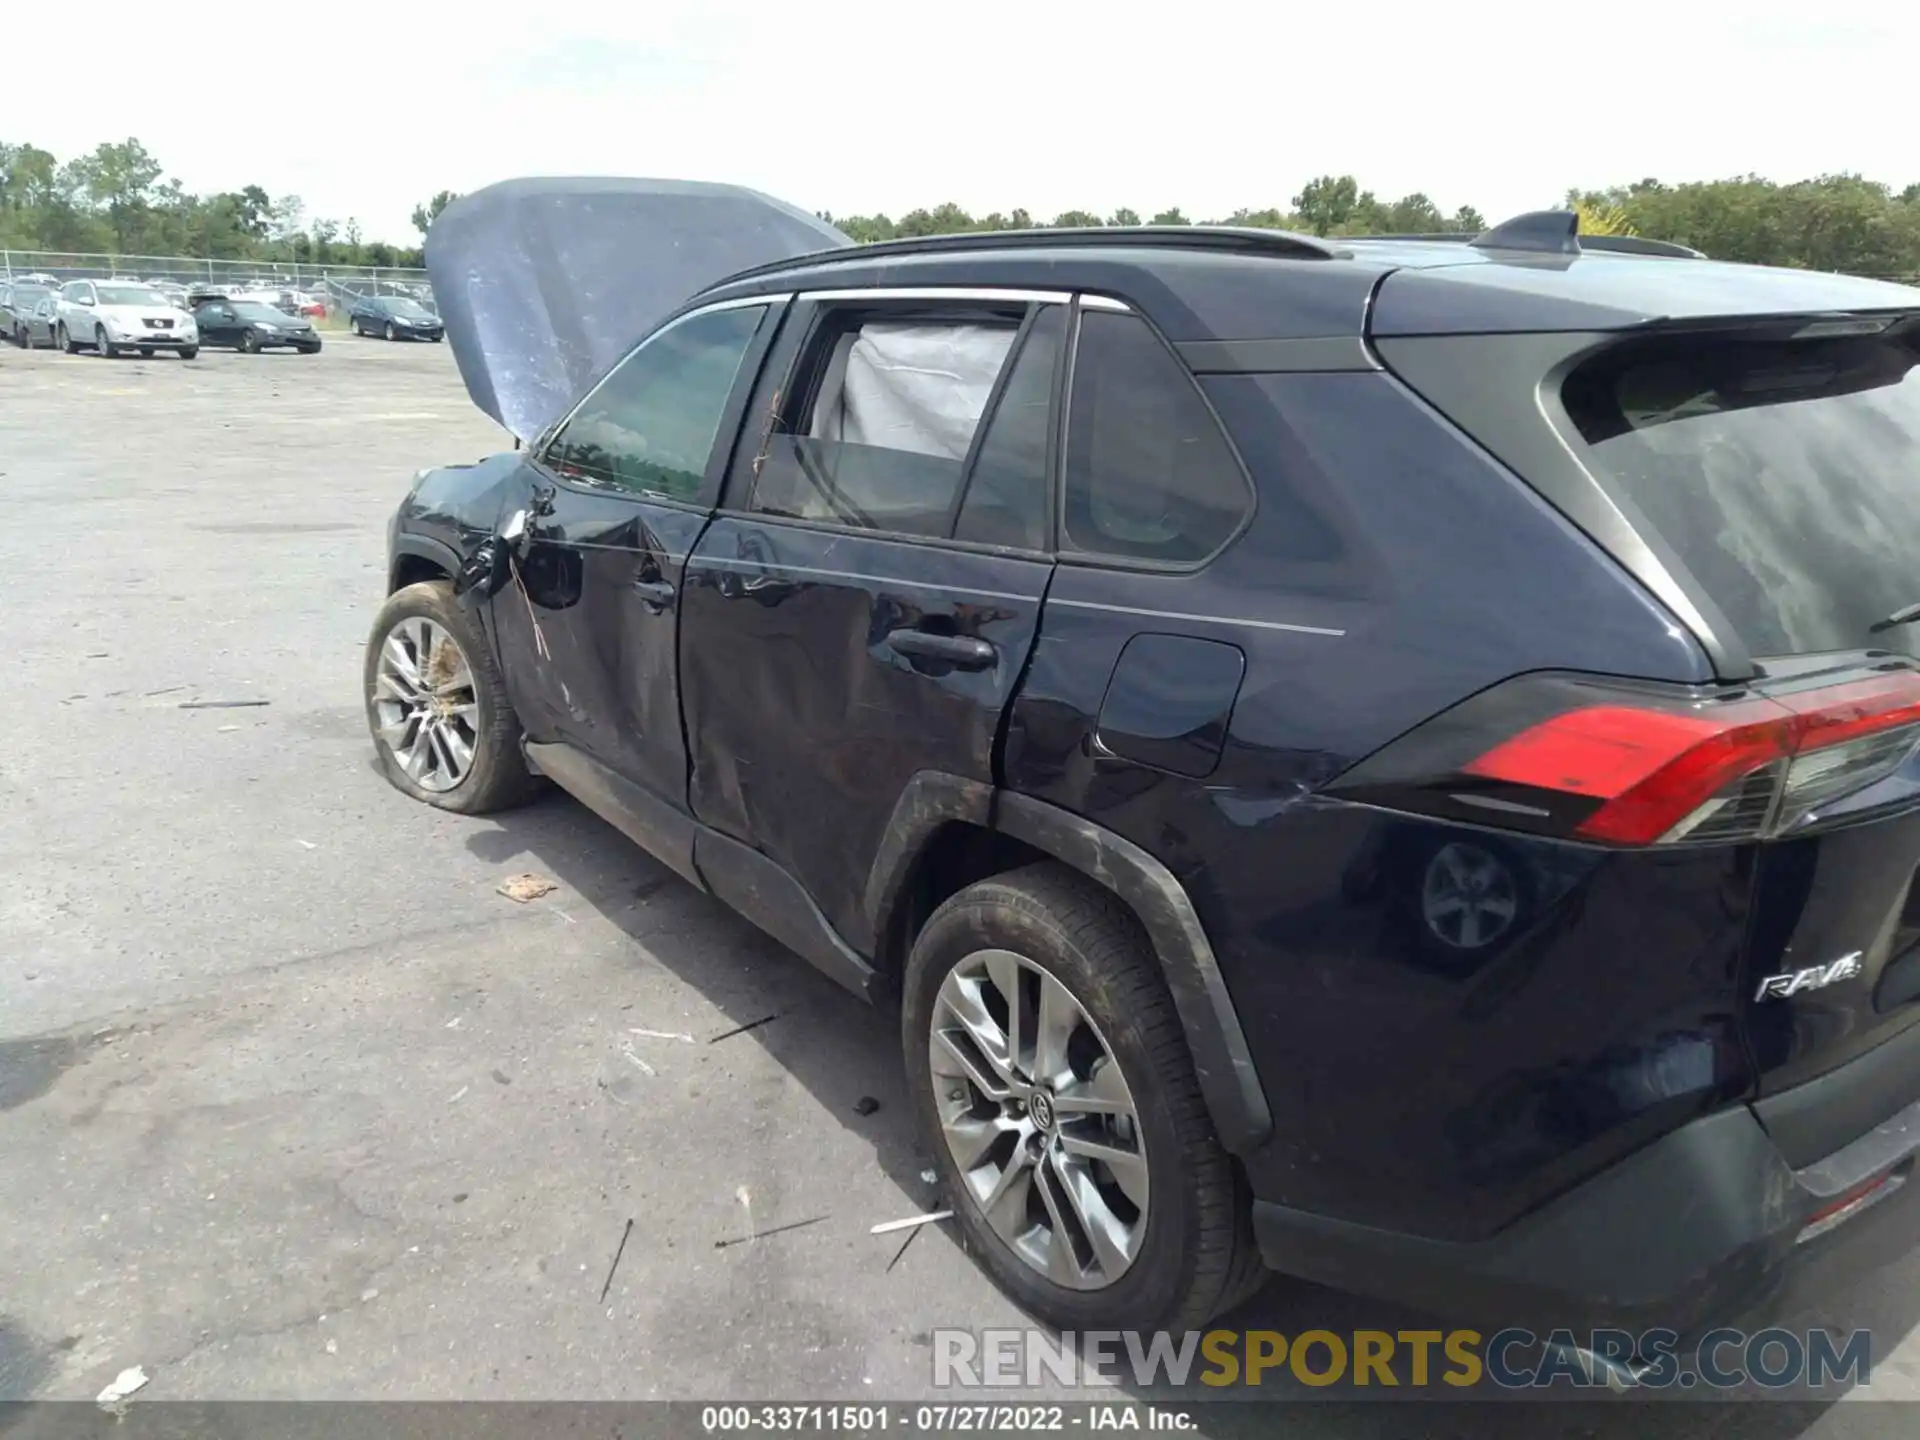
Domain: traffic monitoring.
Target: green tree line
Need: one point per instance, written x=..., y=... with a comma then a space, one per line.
x=116, y=200
x=1831, y=222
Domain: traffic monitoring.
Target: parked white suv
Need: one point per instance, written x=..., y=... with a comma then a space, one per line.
x=113, y=316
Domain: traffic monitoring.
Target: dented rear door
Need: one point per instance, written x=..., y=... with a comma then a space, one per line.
x=859, y=613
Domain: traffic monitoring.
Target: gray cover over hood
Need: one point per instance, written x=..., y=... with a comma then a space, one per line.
x=544, y=283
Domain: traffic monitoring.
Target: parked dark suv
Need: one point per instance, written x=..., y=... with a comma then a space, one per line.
x=1390, y=758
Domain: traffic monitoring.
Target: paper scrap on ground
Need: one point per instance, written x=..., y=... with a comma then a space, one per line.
x=912, y=1220
x=124, y=1384
x=663, y=1035
x=522, y=888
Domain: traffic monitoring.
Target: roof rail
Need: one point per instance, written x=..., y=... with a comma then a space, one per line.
x=1244, y=239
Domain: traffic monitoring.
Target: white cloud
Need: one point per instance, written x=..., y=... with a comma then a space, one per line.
x=851, y=105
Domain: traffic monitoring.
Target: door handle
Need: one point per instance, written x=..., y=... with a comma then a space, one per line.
x=656, y=595
x=963, y=652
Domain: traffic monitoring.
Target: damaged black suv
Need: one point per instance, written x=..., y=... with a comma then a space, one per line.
x=1394, y=759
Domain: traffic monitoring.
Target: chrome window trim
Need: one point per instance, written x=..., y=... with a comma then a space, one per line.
x=941, y=292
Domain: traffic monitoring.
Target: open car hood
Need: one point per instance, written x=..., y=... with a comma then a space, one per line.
x=544, y=283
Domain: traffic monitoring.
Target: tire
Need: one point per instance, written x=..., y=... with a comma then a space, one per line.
x=102, y=346
x=249, y=343
x=313, y=349
x=1194, y=1254
x=65, y=338
x=147, y=352
x=392, y=334
x=189, y=352
x=20, y=337
x=497, y=777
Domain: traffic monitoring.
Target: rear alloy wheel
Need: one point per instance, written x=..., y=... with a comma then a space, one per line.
x=1047, y=1142
x=1050, y=1070
x=438, y=707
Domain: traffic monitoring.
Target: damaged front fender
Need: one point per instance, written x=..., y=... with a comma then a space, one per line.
x=450, y=514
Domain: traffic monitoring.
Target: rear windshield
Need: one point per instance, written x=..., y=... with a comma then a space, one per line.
x=1785, y=473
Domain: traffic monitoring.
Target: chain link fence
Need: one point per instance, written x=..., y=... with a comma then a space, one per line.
x=335, y=286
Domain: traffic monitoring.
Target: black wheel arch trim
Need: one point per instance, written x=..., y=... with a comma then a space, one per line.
x=1222, y=1059
x=424, y=547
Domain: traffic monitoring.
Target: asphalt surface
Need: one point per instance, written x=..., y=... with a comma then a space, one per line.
x=293, y=1104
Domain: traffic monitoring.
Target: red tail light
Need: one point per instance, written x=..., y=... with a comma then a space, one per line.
x=1624, y=766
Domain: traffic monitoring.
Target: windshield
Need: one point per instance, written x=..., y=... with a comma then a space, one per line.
x=131, y=295
x=27, y=294
x=254, y=310
x=407, y=309
x=1785, y=474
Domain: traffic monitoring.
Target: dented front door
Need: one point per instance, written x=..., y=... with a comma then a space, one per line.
x=624, y=486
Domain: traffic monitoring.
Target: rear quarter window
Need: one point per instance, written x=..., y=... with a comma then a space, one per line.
x=1149, y=476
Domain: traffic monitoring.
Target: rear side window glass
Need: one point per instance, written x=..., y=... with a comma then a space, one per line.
x=1006, y=499
x=885, y=441
x=649, y=427
x=1148, y=474
x=1783, y=473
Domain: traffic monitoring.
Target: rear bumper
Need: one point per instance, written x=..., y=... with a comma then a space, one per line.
x=1708, y=1226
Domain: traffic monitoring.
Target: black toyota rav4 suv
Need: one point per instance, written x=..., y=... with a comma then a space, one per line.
x=1392, y=761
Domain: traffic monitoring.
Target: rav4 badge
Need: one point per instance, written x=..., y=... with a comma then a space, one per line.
x=1778, y=987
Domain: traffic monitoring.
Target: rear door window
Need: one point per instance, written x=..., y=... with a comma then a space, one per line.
x=1784, y=473
x=1005, y=499
x=883, y=443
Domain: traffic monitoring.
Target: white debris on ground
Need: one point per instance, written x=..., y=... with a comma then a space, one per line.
x=114, y=1397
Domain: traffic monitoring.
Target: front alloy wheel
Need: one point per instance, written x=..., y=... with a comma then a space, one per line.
x=426, y=712
x=438, y=708
x=1039, y=1119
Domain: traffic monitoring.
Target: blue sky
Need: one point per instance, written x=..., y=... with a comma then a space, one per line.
x=852, y=105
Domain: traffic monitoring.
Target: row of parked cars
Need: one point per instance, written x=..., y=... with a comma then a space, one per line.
x=112, y=317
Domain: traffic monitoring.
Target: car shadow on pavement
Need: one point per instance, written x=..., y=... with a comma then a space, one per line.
x=842, y=1051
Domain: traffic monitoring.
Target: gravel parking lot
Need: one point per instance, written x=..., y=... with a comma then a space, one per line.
x=294, y=1104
